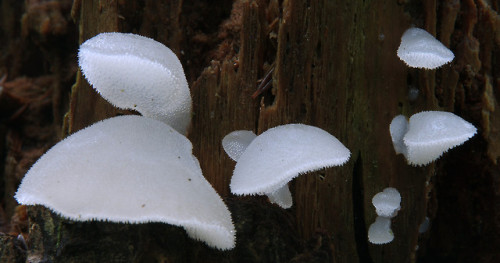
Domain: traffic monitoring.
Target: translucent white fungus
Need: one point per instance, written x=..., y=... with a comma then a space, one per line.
x=398, y=129
x=282, y=197
x=129, y=169
x=419, y=49
x=138, y=73
x=380, y=231
x=2, y=80
x=387, y=203
x=431, y=133
x=236, y=142
x=424, y=226
x=413, y=93
x=282, y=153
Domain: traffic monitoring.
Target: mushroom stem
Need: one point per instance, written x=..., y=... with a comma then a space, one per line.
x=380, y=231
x=282, y=197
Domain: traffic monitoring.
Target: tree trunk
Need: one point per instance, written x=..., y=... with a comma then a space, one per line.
x=333, y=65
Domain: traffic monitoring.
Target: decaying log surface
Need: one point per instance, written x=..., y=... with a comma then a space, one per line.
x=333, y=65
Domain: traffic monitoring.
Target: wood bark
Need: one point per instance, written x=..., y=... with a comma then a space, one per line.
x=334, y=66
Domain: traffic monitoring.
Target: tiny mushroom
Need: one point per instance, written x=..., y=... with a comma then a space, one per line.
x=380, y=231
x=138, y=73
x=387, y=203
x=129, y=169
x=419, y=49
x=424, y=226
x=2, y=81
x=429, y=134
x=398, y=129
x=280, y=154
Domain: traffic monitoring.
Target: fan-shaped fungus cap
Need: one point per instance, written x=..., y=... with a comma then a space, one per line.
x=431, y=133
x=129, y=169
x=380, y=231
x=387, y=203
x=419, y=49
x=282, y=153
x=138, y=73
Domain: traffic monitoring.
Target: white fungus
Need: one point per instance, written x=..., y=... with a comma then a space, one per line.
x=431, y=133
x=380, y=231
x=387, y=203
x=282, y=153
x=419, y=49
x=413, y=93
x=398, y=129
x=424, y=226
x=236, y=142
x=129, y=169
x=138, y=73
x=428, y=135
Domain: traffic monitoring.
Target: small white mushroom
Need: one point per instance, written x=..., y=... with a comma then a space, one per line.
x=398, y=129
x=138, y=73
x=282, y=153
x=380, y=231
x=129, y=169
x=2, y=81
x=419, y=49
x=424, y=226
x=431, y=133
x=387, y=203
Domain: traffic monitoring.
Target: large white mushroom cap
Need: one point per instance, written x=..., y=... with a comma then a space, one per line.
x=282, y=153
x=431, y=133
x=419, y=49
x=129, y=169
x=387, y=203
x=138, y=73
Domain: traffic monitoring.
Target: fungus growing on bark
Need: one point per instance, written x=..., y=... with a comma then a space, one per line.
x=280, y=154
x=138, y=73
x=429, y=135
x=398, y=129
x=424, y=226
x=236, y=142
x=129, y=169
x=432, y=133
x=380, y=231
x=387, y=203
x=419, y=49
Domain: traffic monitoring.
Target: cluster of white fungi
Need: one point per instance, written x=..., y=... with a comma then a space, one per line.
x=150, y=159
x=387, y=204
